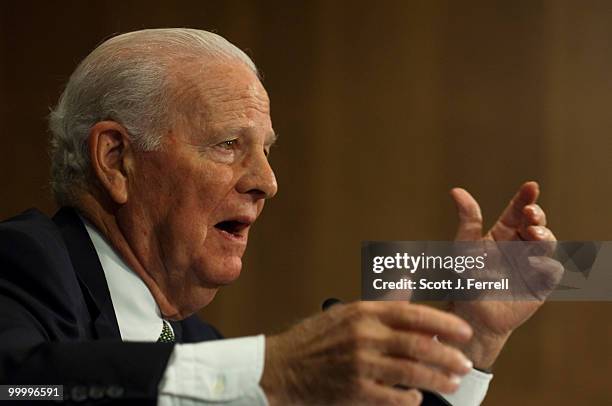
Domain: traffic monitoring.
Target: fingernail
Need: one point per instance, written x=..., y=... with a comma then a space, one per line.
x=465, y=330
x=455, y=379
x=468, y=364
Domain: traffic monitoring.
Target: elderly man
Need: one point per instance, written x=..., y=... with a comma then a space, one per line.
x=159, y=161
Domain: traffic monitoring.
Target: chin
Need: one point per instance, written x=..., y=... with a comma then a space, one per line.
x=194, y=301
x=221, y=273
x=203, y=299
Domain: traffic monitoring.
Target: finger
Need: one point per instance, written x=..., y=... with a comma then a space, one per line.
x=429, y=351
x=470, y=216
x=544, y=275
x=540, y=277
x=373, y=393
x=413, y=374
x=512, y=217
x=536, y=233
x=539, y=241
x=533, y=215
x=424, y=319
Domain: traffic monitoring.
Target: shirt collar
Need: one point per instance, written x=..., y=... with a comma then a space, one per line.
x=138, y=315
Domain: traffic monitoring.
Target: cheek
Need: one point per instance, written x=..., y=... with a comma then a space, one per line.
x=183, y=198
x=180, y=236
x=201, y=255
x=196, y=190
x=192, y=213
x=189, y=221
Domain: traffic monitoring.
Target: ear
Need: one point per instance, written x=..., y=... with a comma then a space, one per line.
x=110, y=154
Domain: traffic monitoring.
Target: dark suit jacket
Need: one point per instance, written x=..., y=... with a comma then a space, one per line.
x=57, y=322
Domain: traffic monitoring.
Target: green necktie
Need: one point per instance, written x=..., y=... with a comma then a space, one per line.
x=166, y=336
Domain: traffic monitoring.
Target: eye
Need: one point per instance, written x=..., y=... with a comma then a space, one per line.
x=229, y=144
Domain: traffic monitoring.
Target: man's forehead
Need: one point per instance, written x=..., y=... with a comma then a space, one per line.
x=238, y=113
x=219, y=78
x=232, y=86
x=226, y=97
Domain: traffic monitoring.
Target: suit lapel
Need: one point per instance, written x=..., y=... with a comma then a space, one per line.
x=89, y=272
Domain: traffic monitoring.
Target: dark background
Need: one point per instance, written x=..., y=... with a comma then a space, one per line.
x=382, y=107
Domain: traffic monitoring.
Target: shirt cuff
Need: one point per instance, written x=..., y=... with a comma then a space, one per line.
x=225, y=372
x=472, y=389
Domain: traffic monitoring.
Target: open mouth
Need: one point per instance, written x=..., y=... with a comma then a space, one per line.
x=233, y=228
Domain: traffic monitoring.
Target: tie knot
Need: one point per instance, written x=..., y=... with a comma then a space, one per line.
x=166, y=336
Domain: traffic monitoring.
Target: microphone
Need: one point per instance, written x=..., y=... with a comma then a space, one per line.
x=329, y=302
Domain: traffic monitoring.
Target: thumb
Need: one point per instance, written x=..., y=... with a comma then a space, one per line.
x=470, y=217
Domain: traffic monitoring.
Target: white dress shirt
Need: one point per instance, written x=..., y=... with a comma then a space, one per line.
x=221, y=372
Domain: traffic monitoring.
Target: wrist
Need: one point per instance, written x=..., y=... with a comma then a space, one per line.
x=277, y=376
x=483, y=350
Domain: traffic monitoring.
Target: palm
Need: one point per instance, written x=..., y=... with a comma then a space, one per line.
x=498, y=318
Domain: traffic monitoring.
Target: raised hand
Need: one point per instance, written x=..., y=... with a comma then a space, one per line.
x=494, y=321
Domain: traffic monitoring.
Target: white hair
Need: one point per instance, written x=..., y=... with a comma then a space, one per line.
x=126, y=79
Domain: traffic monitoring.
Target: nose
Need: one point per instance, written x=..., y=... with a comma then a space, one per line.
x=258, y=179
